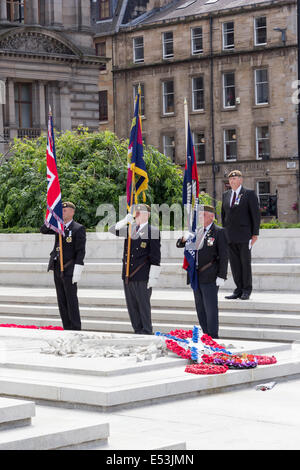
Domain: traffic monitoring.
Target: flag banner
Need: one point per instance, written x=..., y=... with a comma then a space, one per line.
x=190, y=201
x=137, y=177
x=54, y=217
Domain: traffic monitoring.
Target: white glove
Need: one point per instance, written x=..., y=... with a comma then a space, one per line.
x=78, y=268
x=187, y=235
x=220, y=282
x=153, y=275
x=128, y=219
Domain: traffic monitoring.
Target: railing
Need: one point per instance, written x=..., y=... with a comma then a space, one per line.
x=6, y=134
x=29, y=133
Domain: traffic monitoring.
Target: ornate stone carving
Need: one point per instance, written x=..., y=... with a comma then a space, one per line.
x=34, y=43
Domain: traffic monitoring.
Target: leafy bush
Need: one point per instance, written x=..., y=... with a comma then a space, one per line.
x=92, y=170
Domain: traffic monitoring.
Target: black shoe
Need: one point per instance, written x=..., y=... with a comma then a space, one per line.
x=233, y=296
x=245, y=296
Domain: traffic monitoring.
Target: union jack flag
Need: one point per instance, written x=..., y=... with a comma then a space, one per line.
x=54, y=217
x=190, y=200
x=137, y=177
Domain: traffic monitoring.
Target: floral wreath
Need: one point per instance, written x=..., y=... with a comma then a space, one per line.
x=215, y=360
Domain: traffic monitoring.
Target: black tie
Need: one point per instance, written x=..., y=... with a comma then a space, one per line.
x=233, y=199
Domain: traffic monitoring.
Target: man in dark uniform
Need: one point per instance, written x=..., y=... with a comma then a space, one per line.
x=241, y=220
x=73, y=247
x=144, y=266
x=212, y=263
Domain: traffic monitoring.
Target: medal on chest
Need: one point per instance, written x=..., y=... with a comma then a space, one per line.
x=69, y=237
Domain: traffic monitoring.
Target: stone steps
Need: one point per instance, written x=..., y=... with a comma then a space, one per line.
x=24, y=428
x=265, y=316
x=266, y=276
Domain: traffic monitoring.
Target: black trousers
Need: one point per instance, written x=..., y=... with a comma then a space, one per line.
x=138, y=305
x=67, y=301
x=206, y=301
x=240, y=263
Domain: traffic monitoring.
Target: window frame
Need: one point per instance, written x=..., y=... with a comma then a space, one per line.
x=135, y=92
x=164, y=95
x=225, y=106
x=104, y=10
x=171, y=146
x=105, y=106
x=257, y=140
x=18, y=103
x=193, y=38
x=260, y=83
x=21, y=4
x=231, y=46
x=194, y=109
x=199, y=145
x=165, y=43
x=229, y=141
x=256, y=43
x=135, y=47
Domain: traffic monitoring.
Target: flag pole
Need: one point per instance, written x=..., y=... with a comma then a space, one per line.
x=186, y=119
x=59, y=235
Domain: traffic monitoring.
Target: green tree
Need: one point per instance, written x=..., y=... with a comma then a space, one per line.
x=92, y=170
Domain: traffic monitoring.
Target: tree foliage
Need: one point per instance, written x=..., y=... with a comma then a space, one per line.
x=92, y=170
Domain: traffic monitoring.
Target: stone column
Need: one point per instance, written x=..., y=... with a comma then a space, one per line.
x=11, y=109
x=35, y=12
x=65, y=107
x=84, y=16
x=41, y=94
x=3, y=12
x=57, y=13
x=1, y=125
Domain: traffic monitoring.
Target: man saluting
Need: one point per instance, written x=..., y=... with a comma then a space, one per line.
x=73, y=247
x=144, y=266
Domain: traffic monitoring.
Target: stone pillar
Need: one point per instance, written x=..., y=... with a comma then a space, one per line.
x=65, y=107
x=57, y=13
x=35, y=12
x=11, y=109
x=3, y=12
x=1, y=126
x=84, y=16
x=42, y=104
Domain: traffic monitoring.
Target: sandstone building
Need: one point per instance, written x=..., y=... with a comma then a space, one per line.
x=47, y=57
x=234, y=61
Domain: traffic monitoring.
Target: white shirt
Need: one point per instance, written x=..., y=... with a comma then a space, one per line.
x=237, y=192
x=68, y=223
x=141, y=226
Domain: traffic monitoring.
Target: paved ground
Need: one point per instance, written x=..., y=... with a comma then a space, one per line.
x=235, y=420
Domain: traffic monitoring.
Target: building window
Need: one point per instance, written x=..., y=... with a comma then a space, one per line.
x=261, y=86
x=228, y=35
x=23, y=105
x=230, y=145
x=168, y=50
x=169, y=146
x=229, y=90
x=262, y=143
x=101, y=52
x=199, y=146
x=198, y=94
x=267, y=201
x=103, y=108
x=104, y=9
x=15, y=10
x=135, y=92
x=197, y=40
x=168, y=97
x=260, y=31
x=138, y=49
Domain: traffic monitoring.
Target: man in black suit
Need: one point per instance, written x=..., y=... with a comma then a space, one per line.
x=241, y=219
x=144, y=265
x=212, y=262
x=73, y=247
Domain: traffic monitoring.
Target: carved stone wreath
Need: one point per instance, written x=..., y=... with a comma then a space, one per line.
x=34, y=43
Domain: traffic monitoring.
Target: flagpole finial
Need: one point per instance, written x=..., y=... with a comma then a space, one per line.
x=50, y=110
